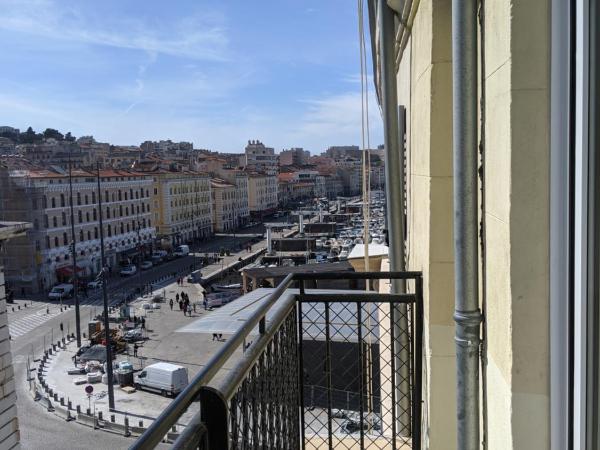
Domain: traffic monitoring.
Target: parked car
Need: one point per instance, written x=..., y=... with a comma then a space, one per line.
x=96, y=284
x=145, y=265
x=155, y=259
x=133, y=335
x=61, y=291
x=182, y=250
x=128, y=271
x=165, y=378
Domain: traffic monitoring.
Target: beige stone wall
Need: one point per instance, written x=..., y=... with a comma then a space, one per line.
x=517, y=221
x=516, y=215
x=425, y=89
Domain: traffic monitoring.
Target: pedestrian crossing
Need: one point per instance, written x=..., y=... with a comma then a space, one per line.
x=24, y=325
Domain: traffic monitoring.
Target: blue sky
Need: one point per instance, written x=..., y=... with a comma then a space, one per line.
x=216, y=73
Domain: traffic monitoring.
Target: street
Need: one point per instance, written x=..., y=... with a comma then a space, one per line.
x=31, y=328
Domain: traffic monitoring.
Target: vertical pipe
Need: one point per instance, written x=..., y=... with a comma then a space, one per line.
x=269, y=241
x=393, y=129
x=467, y=314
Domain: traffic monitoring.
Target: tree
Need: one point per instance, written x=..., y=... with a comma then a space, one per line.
x=29, y=136
x=69, y=137
x=52, y=133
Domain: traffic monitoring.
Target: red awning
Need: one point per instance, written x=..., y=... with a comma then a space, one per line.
x=67, y=271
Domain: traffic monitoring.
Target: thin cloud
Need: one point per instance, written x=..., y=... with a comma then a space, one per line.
x=338, y=115
x=193, y=37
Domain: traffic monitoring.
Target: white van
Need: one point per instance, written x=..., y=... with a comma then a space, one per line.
x=61, y=291
x=162, y=377
x=182, y=250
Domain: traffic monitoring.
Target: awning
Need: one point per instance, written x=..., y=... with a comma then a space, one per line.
x=67, y=271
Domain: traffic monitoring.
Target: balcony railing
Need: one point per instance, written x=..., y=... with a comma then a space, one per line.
x=326, y=369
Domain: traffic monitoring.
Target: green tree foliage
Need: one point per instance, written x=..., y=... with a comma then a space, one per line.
x=30, y=136
x=52, y=133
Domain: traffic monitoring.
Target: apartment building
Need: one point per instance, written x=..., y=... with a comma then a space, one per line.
x=223, y=168
x=333, y=186
x=294, y=157
x=343, y=151
x=182, y=205
x=350, y=172
x=55, y=153
x=225, y=214
x=259, y=157
x=42, y=197
x=262, y=193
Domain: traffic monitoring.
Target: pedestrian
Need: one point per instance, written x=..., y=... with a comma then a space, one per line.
x=220, y=337
x=205, y=302
x=180, y=305
x=177, y=296
x=194, y=307
x=171, y=304
x=214, y=336
x=189, y=310
x=143, y=320
x=135, y=349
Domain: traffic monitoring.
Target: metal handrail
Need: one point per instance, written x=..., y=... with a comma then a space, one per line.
x=195, y=431
x=235, y=377
x=163, y=423
x=226, y=388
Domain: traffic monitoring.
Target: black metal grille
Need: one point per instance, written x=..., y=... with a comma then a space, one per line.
x=330, y=369
x=264, y=409
x=356, y=365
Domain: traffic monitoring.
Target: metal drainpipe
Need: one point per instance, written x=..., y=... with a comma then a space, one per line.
x=394, y=180
x=467, y=314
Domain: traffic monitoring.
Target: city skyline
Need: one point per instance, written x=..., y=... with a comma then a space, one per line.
x=201, y=73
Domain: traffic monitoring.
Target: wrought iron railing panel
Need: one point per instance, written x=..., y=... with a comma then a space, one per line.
x=330, y=369
x=356, y=365
x=264, y=411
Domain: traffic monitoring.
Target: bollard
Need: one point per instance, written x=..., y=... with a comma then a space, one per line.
x=62, y=401
x=99, y=415
x=112, y=418
x=88, y=412
x=13, y=309
x=126, y=423
x=19, y=307
x=141, y=424
x=69, y=405
x=174, y=429
x=78, y=409
x=55, y=396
